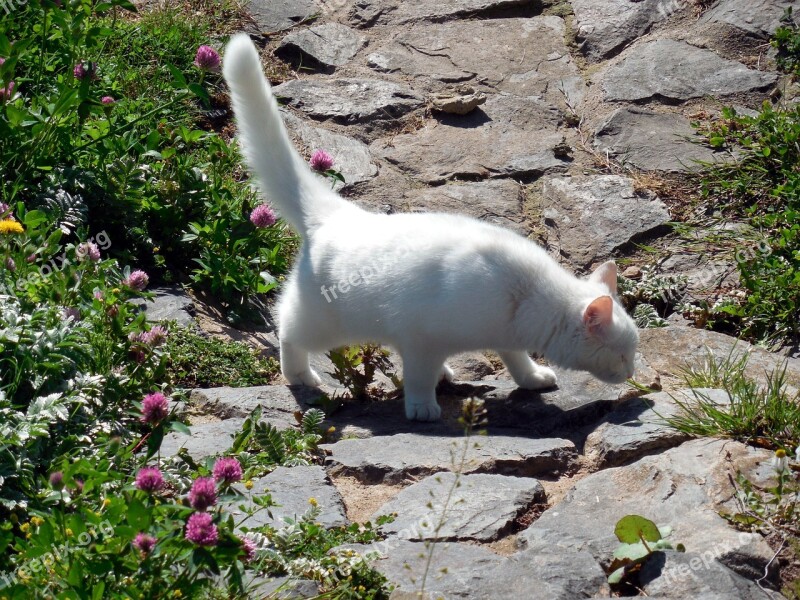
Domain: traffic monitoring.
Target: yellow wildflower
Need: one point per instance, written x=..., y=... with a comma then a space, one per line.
x=10, y=226
x=69, y=532
x=248, y=484
x=37, y=521
x=106, y=502
x=24, y=527
x=177, y=594
x=312, y=501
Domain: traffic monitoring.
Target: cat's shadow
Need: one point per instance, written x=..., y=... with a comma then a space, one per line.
x=473, y=120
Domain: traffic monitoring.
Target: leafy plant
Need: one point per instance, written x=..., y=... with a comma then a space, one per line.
x=195, y=360
x=786, y=40
x=261, y=444
x=639, y=539
x=355, y=367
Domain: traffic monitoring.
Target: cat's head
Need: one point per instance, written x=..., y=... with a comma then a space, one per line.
x=607, y=335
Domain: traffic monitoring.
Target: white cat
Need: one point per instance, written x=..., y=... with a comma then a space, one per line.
x=428, y=285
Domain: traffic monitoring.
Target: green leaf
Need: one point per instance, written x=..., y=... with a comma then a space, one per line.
x=138, y=515
x=632, y=528
x=616, y=576
x=180, y=428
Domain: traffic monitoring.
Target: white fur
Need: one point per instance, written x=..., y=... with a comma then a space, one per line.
x=429, y=285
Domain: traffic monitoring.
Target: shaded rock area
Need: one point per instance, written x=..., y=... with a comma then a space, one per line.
x=591, y=217
x=396, y=12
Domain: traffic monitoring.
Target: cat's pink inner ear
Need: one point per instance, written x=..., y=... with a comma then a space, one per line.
x=598, y=315
x=607, y=275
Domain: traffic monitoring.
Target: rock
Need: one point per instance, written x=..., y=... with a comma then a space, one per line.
x=396, y=458
x=632, y=272
x=681, y=575
x=171, y=303
x=658, y=346
x=756, y=17
x=704, y=275
x=470, y=366
x=328, y=45
x=275, y=15
x=469, y=571
x=653, y=141
x=495, y=201
x=393, y=12
x=604, y=26
x=352, y=158
x=349, y=100
x=291, y=488
x=482, y=507
x=492, y=141
x=207, y=439
x=278, y=402
x=525, y=57
x=462, y=101
x=592, y=216
x=683, y=487
x=671, y=70
x=637, y=428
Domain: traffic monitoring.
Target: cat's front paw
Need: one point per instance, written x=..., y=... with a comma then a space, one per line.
x=540, y=379
x=423, y=412
x=308, y=377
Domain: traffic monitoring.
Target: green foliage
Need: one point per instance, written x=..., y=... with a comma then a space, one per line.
x=304, y=549
x=261, y=445
x=198, y=361
x=140, y=169
x=754, y=412
x=639, y=538
x=764, y=186
x=355, y=367
x=786, y=41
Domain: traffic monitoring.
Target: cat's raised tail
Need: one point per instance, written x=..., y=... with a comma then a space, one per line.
x=302, y=198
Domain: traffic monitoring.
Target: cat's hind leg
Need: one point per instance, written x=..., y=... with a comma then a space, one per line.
x=420, y=375
x=526, y=373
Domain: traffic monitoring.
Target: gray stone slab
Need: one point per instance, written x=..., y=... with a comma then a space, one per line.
x=672, y=70
x=637, y=427
x=292, y=488
x=496, y=201
x=278, y=402
x=526, y=57
x=670, y=349
x=756, y=17
x=590, y=217
x=460, y=570
x=481, y=507
x=653, y=141
x=276, y=15
x=603, y=27
x=684, y=488
x=171, y=303
x=393, y=12
x=682, y=575
x=349, y=100
x=329, y=45
x=505, y=137
x=396, y=458
x=352, y=158
x=206, y=439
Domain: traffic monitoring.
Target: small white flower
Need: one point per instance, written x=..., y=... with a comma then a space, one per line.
x=797, y=454
x=780, y=462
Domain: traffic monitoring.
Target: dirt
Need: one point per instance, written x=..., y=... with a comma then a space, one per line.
x=361, y=501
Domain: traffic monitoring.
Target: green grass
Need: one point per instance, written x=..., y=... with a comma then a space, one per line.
x=767, y=414
x=196, y=361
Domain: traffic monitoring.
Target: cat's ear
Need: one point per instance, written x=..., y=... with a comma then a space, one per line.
x=607, y=275
x=598, y=315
